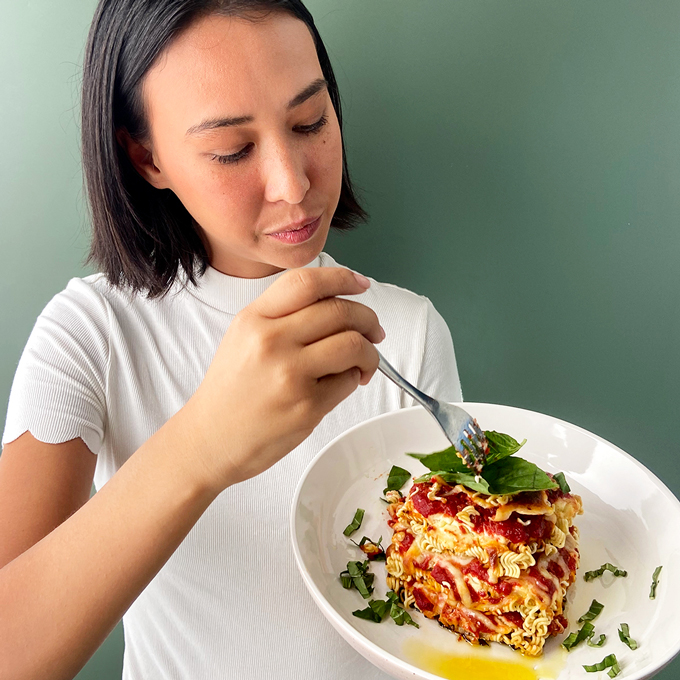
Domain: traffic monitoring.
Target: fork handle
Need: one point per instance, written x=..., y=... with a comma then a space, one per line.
x=387, y=369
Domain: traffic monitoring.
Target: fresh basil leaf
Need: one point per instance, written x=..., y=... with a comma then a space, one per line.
x=592, y=575
x=600, y=641
x=608, y=662
x=396, y=479
x=368, y=614
x=448, y=460
x=593, y=612
x=500, y=446
x=562, y=481
x=575, y=639
x=364, y=585
x=346, y=580
x=356, y=568
x=614, y=670
x=392, y=597
x=655, y=583
x=512, y=475
x=361, y=577
x=356, y=522
x=624, y=636
x=380, y=607
x=468, y=479
x=426, y=477
x=400, y=616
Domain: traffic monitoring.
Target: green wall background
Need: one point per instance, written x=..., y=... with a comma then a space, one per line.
x=521, y=164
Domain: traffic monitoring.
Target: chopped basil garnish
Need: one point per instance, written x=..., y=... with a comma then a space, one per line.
x=655, y=583
x=591, y=575
x=356, y=522
x=609, y=662
x=593, y=612
x=562, y=481
x=575, y=639
x=396, y=479
x=624, y=636
x=357, y=575
x=400, y=616
x=600, y=641
x=377, y=610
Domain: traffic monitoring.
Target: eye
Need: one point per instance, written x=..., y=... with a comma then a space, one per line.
x=234, y=157
x=240, y=155
x=314, y=127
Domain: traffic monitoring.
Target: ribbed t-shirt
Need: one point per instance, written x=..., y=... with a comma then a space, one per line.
x=112, y=368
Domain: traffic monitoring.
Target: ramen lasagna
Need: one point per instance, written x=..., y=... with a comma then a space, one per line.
x=488, y=567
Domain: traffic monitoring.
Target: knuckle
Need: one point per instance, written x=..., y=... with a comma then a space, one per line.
x=264, y=342
x=355, y=341
x=304, y=408
x=303, y=278
x=284, y=376
x=340, y=310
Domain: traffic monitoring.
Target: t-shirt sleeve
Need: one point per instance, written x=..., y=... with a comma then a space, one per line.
x=439, y=371
x=59, y=388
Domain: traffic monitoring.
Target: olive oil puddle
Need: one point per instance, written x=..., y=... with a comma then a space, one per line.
x=481, y=666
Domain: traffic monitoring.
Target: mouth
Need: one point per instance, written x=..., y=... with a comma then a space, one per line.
x=297, y=233
x=294, y=226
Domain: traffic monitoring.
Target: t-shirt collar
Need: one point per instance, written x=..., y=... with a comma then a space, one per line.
x=231, y=293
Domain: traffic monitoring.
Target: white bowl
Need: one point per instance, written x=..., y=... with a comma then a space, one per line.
x=630, y=519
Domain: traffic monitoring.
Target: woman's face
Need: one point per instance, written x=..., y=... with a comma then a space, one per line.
x=243, y=131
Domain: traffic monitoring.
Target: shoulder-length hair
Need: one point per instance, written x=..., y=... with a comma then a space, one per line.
x=143, y=238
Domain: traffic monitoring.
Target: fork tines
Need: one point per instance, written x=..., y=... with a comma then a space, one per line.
x=475, y=446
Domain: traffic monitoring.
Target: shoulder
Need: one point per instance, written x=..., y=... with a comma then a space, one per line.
x=93, y=299
x=388, y=298
x=86, y=296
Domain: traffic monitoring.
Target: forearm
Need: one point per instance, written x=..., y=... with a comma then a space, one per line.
x=61, y=598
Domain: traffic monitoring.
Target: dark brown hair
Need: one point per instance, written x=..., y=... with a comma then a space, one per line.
x=142, y=237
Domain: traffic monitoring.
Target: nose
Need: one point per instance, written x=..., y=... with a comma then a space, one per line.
x=285, y=174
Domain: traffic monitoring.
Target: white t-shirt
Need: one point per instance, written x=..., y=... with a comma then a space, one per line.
x=112, y=368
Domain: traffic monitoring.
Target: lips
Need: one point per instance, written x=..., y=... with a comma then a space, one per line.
x=297, y=234
x=294, y=226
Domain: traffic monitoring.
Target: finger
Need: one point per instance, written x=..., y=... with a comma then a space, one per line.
x=337, y=354
x=332, y=389
x=330, y=316
x=298, y=288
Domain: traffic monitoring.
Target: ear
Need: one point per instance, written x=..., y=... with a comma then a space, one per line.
x=142, y=159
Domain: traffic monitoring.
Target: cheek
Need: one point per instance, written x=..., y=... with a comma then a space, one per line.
x=210, y=191
x=327, y=162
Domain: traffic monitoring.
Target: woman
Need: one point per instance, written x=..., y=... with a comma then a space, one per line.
x=197, y=375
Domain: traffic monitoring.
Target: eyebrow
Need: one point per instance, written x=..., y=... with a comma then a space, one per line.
x=214, y=123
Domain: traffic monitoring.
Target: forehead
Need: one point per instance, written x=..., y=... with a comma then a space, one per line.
x=231, y=66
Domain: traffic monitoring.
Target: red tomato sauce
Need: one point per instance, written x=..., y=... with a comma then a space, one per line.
x=538, y=528
x=422, y=601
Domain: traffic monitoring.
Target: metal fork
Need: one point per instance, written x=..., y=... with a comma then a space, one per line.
x=460, y=428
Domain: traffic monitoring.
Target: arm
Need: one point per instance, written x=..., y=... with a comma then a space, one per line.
x=285, y=361
x=61, y=597
x=41, y=485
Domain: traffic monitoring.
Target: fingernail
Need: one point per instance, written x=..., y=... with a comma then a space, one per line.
x=382, y=330
x=362, y=280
